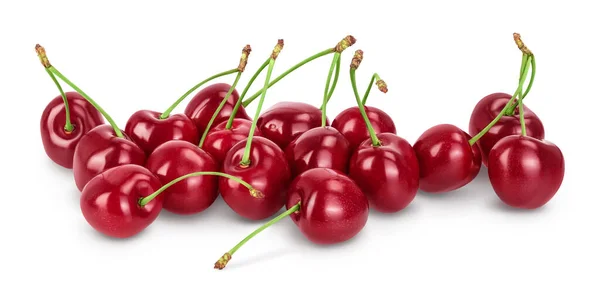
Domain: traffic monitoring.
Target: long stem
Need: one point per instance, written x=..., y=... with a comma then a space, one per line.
x=145, y=200
x=172, y=107
x=222, y=262
x=522, y=117
x=374, y=140
x=219, y=108
x=334, y=62
x=335, y=78
x=518, y=91
x=374, y=78
x=68, y=125
x=90, y=100
x=511, y=109
x=241, y=98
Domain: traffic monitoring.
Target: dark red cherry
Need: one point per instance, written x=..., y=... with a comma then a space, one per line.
x=352, y=125
x=220, y=140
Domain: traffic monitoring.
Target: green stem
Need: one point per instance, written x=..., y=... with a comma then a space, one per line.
x=145, y=200
x=284, y=74
x=375, y=141
x=219, y=108
x=172, y=107
x=335, y=78
x=90, y=100
x=518, y=91
x=334, y=63
x=511, y=110
x=246, y=158
x=241, y=98
x=374, y=78
x=522, y=117
x=68, y=125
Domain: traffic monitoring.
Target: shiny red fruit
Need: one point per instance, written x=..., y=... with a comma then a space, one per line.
x=352, y=125
x=487, y=109
x=285, y=121
x=203, y=105
x=58, y=143
x=110, y=201
x=149, y=131
x=526, y=172
x=446, y=160
x=101, y=149
x=321, y=147
x=177, y=158
x=268, y=172
x=333, y=209
x=220, y=140
x=387, y=174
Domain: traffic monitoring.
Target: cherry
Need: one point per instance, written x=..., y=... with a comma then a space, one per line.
x=327, y=206
x=220, y=139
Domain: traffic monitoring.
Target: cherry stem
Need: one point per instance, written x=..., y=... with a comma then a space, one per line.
x=522, y=117
x=511, y=109
x=253, y=192
x=68, y=125
x=241, y=98
x=381, y=85
x=346, y=42
x=167, y=113
x=358, y=56
x=222, y=262
x=246, y=158
x=335, y=80
x=328, y=92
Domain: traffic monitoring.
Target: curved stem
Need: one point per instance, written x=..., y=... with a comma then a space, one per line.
x=287, y=72
x=68, y=125
x=374, y=78
x=326, y=95
x=219, y=108
x=375, y=141
x=90, y=100
x=222, y=262
x=522, y=117
x=511, y=110
x=335, y=78
x=172, y=107
x=241, y=98
x=145, y=200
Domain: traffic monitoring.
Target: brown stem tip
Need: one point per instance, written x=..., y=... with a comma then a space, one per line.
x=244, y=58
x=256, y=193
x=41, y=52
x=344, y=43
x=222, y=262
x=277, y=49
x=521, y=45
x=382, y=86
x=357, y=59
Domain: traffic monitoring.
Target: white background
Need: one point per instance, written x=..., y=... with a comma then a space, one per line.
x=438, y=58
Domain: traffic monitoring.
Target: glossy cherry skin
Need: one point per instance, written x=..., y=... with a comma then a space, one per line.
x=268, y=172
x=446, y=160
x=101, y=149
x=526, y=172
x=321, y=147
x=59, y=144
x=110, y=201
x=487, y=109
x=333, y=209
x=204, y=104
x=285, y=121
x=220, y=140
x=177, y=158
x=148, y=130
x=388, y=174
x=352, y=125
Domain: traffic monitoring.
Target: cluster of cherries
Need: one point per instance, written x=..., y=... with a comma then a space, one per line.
x=327, y=175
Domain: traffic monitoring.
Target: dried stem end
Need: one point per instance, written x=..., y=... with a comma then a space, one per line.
x=382, y=86
x=244, y=58
x=277, y=49
x=256, y=193
x=41, y=52
x=344, y=43
x=222, y=262
x=521, y=45
x=357, y=59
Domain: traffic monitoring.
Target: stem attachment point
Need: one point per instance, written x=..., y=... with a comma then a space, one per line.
x=357, y=59
x=41, y=52
x=244, y=58
x=222, y=262
x=521, y=45
x=344, y=43
x=382, y=86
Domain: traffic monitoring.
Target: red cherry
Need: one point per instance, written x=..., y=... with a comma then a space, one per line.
x=58, y=143
x=268, y=172
x=177, y=158
x=220, y=140
x=333, y=209
x=202, y=106
x=99, y=150
x=285, y=121
x=491, y=106
x=351, y=124
x=321, y=147
x=148, y=130
x=526, y=172
x=110, y=201
x=446, y=160
x=387, y=174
